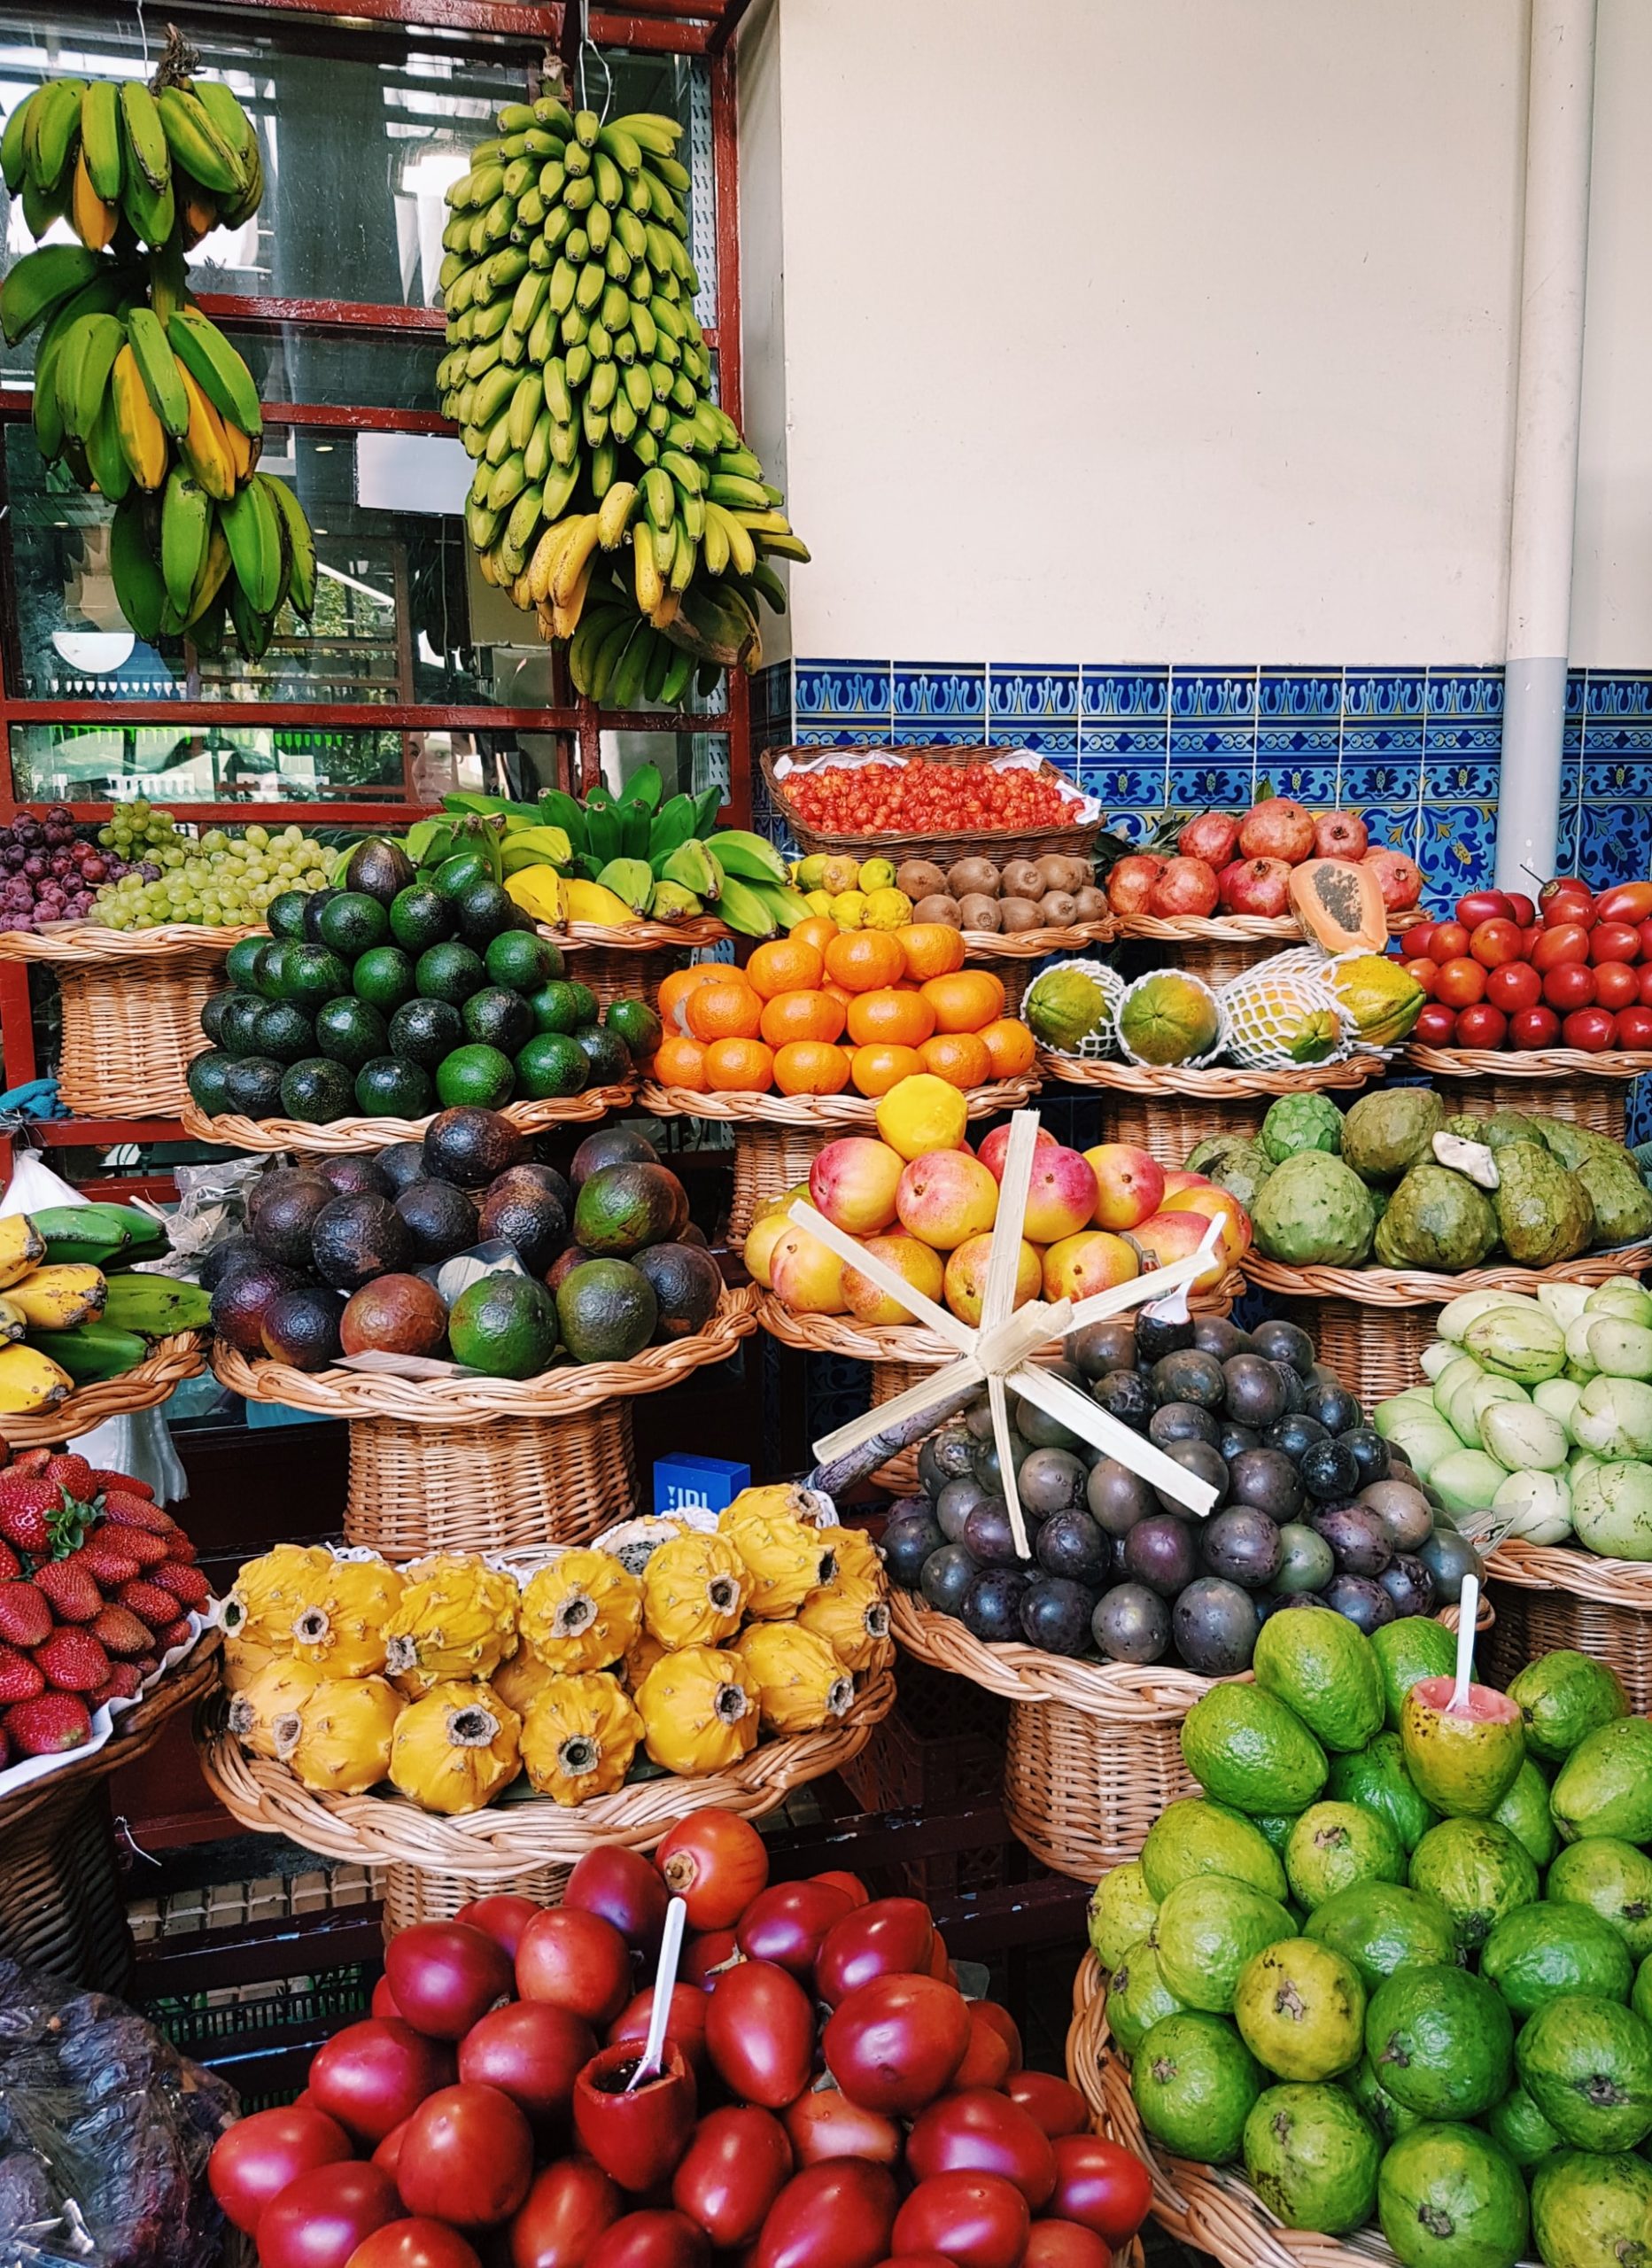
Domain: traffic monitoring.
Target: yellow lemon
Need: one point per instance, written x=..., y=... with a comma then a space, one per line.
x=922, y=1114
x=819, y=901
x=840, y=872
x=849, y=909
x=887, y=909
x=808, y=873
x=877, y=874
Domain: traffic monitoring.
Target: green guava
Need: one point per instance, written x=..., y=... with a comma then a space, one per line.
x=1380, y=1926
x=1301, y=2010
x=1194, y=2081
x=1441, y=2042
x=1478, y=1872
x=1334, y=1846
x=1206, y=1930
x=1311, y=2158
x=1586, y=2062
x=1387, y=2116
x=1612, y=1878
x=1196, y=1836
x=1121, y=1914
x=1377, y=1780
x=1593, y=2211
x=1463, y=1760
x=1540, y=1951
x=1563, y=1697
x=1521, y=2128
x=1525, y=1813
x=1407, y=1651
x=1138, y=1997
x=1325, y=1670
x=1605, y=1785
x=1448, y=2197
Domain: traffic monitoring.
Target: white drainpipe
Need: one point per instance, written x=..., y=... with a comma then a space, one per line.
x=1559, y=131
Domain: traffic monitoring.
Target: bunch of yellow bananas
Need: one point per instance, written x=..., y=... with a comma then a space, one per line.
x=581, y=383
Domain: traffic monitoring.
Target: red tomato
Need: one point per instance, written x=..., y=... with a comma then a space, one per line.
x=851, y=1885
x=384, y=2000
x=387, y=2157
x=1493, y=943
x=825, y=2123
x=978, y=2220
x=650, y=2240
x=1593, y=1029
x=838, y=2215
x=1569, y=940
x=1482, y=1026
x=1460, y=983
x=1425, y=972
x=1004, y=2023
x=253, y=2160
x=467, y=2158
x=626, y=1889
x=1630, y=902
x=1065, y=2244
x=686, y=2023
x=319, y=2220
x=1481, y=905
x=787, y=1924
x=703, y=1956
x=531, y=2052
x=760, y=2034
x=445, y=1976
x=890, y=1936
x=894, y=2044
x=1613, y=940
x=1416, y=941
x=987, y=2058
x=1634, y=1027
x=733, y=2171
x=1521, y=908
x=1449, y=942
x=1644, y=932
x=1516, y=984
x=503, y=1916
x=1055, y=2103
x=576, y=1961
x=1436, y=1026
x=1568, y=909
x=569, y=2206
x=371, y=2076
x=417, y=2243
x=1532, y=1028
x=716, y=1864
x=1101, y=2184
x=1572, y=985
x=979, y=2131
x=1616, y=985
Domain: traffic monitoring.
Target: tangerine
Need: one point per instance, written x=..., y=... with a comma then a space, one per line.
x=675, y=989
x=930, y=949
x=810, y=1067
x=679, y=1061
x=1009, y=1046
x=963, y=1001
x=863, y=960
x=960, y=1058
x=739, y=1066
x=728, y=1009
x=876, y=1070
x=785, y=965
x=803, y=1015
x=902, y=1018
x=819, y=931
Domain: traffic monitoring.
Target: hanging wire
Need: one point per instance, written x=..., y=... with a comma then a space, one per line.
x=142, y=33
x=587, y=43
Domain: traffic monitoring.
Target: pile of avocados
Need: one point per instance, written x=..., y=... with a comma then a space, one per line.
x=340, y=1257
x=402, y=993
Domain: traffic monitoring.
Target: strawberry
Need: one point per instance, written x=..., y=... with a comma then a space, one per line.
x=48, y=1725
x=178, y=1547
x=31, y=1513
x=137, y=1543
x=134, y=1512
x=72, y=1474
x=146, y=1665
x=107, y=1559
x=175, y=1634
x=74, y=1661
x=187, y=1585
x=71, y=1587
x=10, y=1564
x=149, y=1602
x=25, y=1616
x=117, y=1630
x=123, y=1684
x=6, y=1749
x=31, y=1461
x=106, y=1480
x=20, y=1680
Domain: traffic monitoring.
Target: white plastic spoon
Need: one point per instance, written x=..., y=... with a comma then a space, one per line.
x=1468, y=1609
x=664, y=1982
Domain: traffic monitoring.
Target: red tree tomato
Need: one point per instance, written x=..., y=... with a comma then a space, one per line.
x=1516, y=984
x=1521, y=908
x=894, y=2044
x=733, y=2171
x=1557, y=883
x=1449, y=942
x=319, y=2220
x=445, y=1976
x=636, y=2136
x=838, y=2215
x=1572, y=905
x=703, y=1956
x=1643, y=984
x=1055, y=2103
x=1437, y=1025
x=1630, y=902
x=1616, y=985
x=890, y=1936
x=1532, y=1028
x=978, y=2220
x=1482, y=1026
x=503, y=1916
x=1644, y=932
x=851, y=1885
x=787, y=1924
x=1004, y=2023
x=686, y=2023
x=1496, y=941
x=1634, y=1027
x=1572, y=985
x=387, y=2157
x=532, y=2052
x=624, y=1889
x=979, y=2131
x=1423, y=971
x=569, y=2206
x=1065, y=2244
x=825, y=2123
x=650, y=2240
x=384, y=2000
x=1101, y=2184
x=716, y=1863
x=415, y=2244
x=1613, y=940
x=987, y=2058
x=1481, y=906
x=253, y=2160
x=467, y=2158
x=577, y=1962
x=1416, y=941
x=1460, y=983
x=760, y=2034
x=372, y=2075
x=1593, y=1029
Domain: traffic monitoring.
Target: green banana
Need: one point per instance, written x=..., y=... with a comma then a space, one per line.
x=90, y=1352
x=670, y=902
x=83, y=369
x=630, y=879
x=222, y=376
x=158, y=370
x=559, y=809
x=40, y=281
x=299, y=541
x=602, y=826
x=226, y=113
x=689, y=864
x=92, y=1234
x=139, y=585
x=744, y=911
x=788, y=907
x=100, y=138
x=186, y=522
x=252, y=526
x=155, y=1305
x=50, y=133
x=673, y=824
x=196, y=145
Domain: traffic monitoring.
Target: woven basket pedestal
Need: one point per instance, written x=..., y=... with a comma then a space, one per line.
x=518, y=1481
x=617, y=974
x=1170, y=1127
x=130, y=1030
x=1602, y=1104
x=411, y=1894
x=768, y=1162
x=1374, y=1351
x=62, y=1909
x=1529, y=1623
x=1082, y=1794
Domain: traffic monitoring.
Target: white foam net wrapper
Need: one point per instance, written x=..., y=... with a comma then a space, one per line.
x=1268, y=1011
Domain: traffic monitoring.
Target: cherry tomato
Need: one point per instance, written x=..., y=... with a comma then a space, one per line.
x=1483, y=905
x=319, y=2220
x=716, y=1864
x=1482, y=1026
x=576, y=1961
x=1425, y=972
x=1569, y=942
x=1496, y=941
x=1065, y=2244
x=1461, y=983
x=1055, y=2103
x=1630, y=902
x=1449, y=942
x=569, y=2206
x=978, y=2220
x=417, y=2243
x=1532, y=1028
x=1634, y=1027
x=838, y=2215
x=979, y=2131
x=1437, y=1025
x=733, y=2171
x=1590, y=1028
x=1101, y=2184
x=1613, y=940
x=1570, y=986
x=1616, y=985
x=1516, y=984
x=1416, y=940
x=253, y=2160
x=1521, y=908
x=760, y=2034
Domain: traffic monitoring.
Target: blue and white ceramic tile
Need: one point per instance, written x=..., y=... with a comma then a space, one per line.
x=1210, y=787
x=1131, y=739
x=1131, y=825
x=843, y=693
x=1391, y=826
x=1202, y=742
x=1607, y=741
x=1298, y=696
x=1123, y=787
x=1374, y=695
x=1463, y=692
x=940, y=693
x=1465, y=738
x=1614, y=778
x=1136, y=694
x=920, y=731
x=1639, y=1128
x=1059, y=742
x=1296, y=740
x=1614, y=843
x=833, y=734
x=1444, y=779
x=1228, y=695
x=1609, y=692
x=1033, y=695
x=1305, y=783
x=1456, y=842
x=1369, y=777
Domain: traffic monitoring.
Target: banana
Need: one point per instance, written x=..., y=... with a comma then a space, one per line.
x=651, y=130
x=186, y=516
x=50, y=134
x=170, y=401
x=145, y=137
x=13, y=1322
x=30, y=1380
x=785, y=547
x=252, y=529
x=93, y=1351
x=689, y=865
x=22, y=1248
x=83, y=370
x=40, y=281
x=58, y=1297
x=685, y=560
x=13, y=158
x=244, y=451
x=649, y=582
x=574, y=559
x=206, y=450
x=622, y=628
x=155, y=1306
x=106, y=459
x=142, y=438
x=630, y=879
x=619, y=504
x=196, y=145
x=301, y=544
x=744, y=911
x=139, y=587
x=226, y=113
x=93, y=220
x=151, y=214
x=788, y=907
x=546, y=552
x=209, y=358
x=90, y=1234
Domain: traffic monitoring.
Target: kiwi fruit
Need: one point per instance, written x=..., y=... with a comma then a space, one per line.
x=972, y=878
x=1060, y=909
x=1020, y=878
x=1017, y=914
x=1091, y=905
x=1065, y=874
x=920, y=878
x=938, y=908
x=978, y=912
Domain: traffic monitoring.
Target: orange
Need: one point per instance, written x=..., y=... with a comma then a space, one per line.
x=863, y=959
x=810, y=1067
x=930, y=949
x=819, y=931
x=785, y=966
x=801, y=1015
x=962, y=1002
x=960, y=1058
x=727, y=1010
x=876, y=1070
x=680, y=1062
x=903, y=1019
x=739, y=1066
x=838, y=991
x=675, y=989
x=1009, y=1046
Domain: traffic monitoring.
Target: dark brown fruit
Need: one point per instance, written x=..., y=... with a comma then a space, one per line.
x=394, y=1315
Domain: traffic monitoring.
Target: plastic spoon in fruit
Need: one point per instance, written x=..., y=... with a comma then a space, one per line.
x=665, y=1984
x=1463, y=1743
x=1467, y=1612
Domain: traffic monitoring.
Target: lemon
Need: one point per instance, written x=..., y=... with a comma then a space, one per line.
x=849, y=909
x=839, y=872
x=819, y=901
x=877, y=874
x=809, y=873
x=886, y=909
x=920, y=1113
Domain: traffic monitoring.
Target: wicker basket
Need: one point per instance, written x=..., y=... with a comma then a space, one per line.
x=1168, y=1112
x=412, y=1894
x=1220, y=947
x=1375, y=1351
x=1406, y=1287
x=632, y=963
x=497, y=1847
x=1550, y=1596
x=343, y=1138
x=1014, y=959
x=143, y=1387
x=1068, y=842
x=1591, y=1090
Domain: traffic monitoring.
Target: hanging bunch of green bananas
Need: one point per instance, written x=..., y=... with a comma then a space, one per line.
x=136, y=392
x=611, y=493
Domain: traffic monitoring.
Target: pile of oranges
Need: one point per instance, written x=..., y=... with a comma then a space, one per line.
x=822, y=1009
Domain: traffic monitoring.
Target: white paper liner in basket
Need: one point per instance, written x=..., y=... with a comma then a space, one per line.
x=24, y=1774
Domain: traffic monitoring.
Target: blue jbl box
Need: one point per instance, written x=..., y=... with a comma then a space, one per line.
x=696, y=1489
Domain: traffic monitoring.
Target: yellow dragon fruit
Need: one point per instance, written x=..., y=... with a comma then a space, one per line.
x=455, y=1748
x=520, y=1682
x=801, y=1684
x=345, y=1732
x=786, y=1558
x=272, y=1590
x=343, y=1631
x=263, y=1716
x=808, y=1504
x=456, y=1618
x=581, y=1611
x=699, y=1711
x=241, y=1660
x=694, y=1591
x=854, y=1619
x=857, y=1560
x=579, y=1737
x=636, y=1664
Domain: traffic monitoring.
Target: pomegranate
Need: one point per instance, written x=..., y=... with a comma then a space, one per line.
x=1130, y=881
x=1255, y=886
x=1213, y=836
x=1340, y=834
x=1185, y=886
x=1277, y=828
x=1399, y=878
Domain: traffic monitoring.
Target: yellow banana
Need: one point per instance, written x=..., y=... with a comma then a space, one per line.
x=93, y=220
x=13, y=1322
x=592, y=902
x=206, y=449
x=143, y=436
x=55, y=1299
x=547, y=552
x=30, y=1380
x=574, y=559
x=539, y=891
x=22, y=1248
x=650, y=583
x=214, y=567
x=244, y=450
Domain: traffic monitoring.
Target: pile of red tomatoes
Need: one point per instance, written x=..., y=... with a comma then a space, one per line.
x=830, y=2100
x=917, y=797
x=1572, y=970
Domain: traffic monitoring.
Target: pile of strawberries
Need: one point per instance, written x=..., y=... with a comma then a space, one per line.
x=96, y=1584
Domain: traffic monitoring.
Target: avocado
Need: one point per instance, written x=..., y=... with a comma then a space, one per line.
x=388, y=1088
x=317, y=1091
x=555, y=1005
x=440, y=1218
x=499, y=1019
x=686, y=1285
x=421, y=916
x=285, y=914
x=606, y=1310
x=269, y=964
x=384, y=978
x=207, y=1081
x=470, y=1146
x=518, y=1208
x=314, y=906
x=351, y=1032
x=636, y=1024
x=401, y=1164
x=425, y=1032
x=451, y=972
x=300, y=1328
x=241, y=960
x=394, y=1315
x=313, y=973
x=607, y=1053
x=610, y=1146
x=503, y=1326
x=476, y=1075
x=237, y=1021
x=547, y=1177
x=455, y=875
x=553, y=1064
x=213, y=1013
x=486, y=911
x=522, y=960
x=223, y=1258
x=252, y=1087
x=281, y=1212
x=352, y=923
x=622, y=1207
x=355, y=1239
x=284, y=1032
x=242, y=1297
x=588, y=1007
x=379, y=869
x=570, y=1257
x=354, y=1177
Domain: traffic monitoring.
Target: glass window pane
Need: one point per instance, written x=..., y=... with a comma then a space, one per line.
x=687, y=762
x=197, y=763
